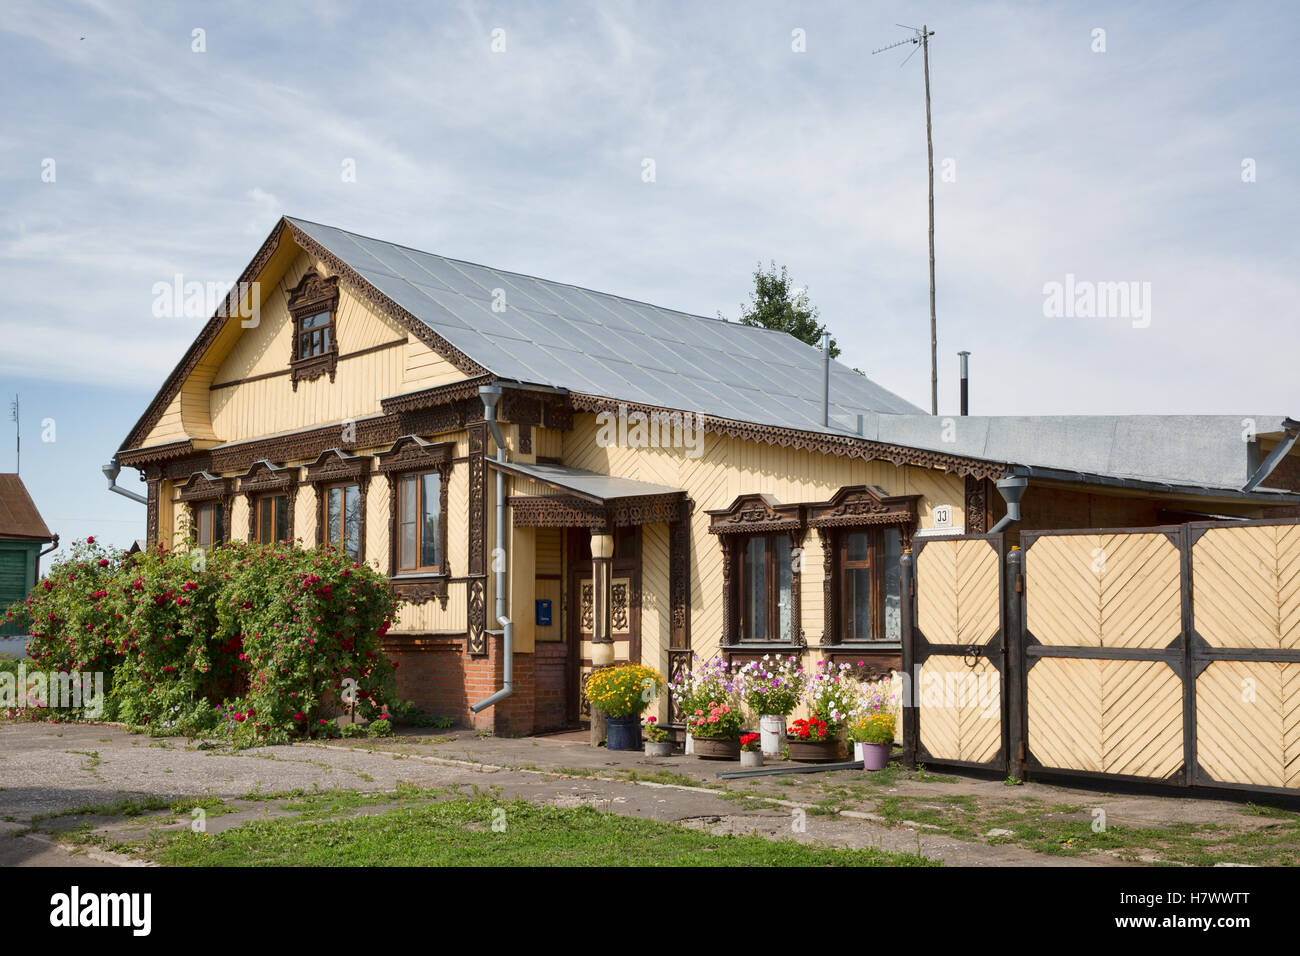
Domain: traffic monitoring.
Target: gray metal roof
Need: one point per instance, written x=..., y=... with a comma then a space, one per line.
x=598, y=344
x=586, y=484
x=1198, y=451
x=566, y=337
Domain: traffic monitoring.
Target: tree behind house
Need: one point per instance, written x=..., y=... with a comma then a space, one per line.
x=774, y=305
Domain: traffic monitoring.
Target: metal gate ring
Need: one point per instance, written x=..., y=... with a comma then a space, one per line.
x=972, y=651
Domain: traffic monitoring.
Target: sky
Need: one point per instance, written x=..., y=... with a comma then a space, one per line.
x=1093, y=144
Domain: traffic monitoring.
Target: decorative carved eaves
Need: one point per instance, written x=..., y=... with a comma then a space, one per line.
x=571, y=511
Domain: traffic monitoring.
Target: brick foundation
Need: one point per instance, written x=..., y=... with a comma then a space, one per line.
x=442, y=679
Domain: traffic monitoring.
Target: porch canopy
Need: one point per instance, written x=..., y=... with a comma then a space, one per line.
x=575, y=498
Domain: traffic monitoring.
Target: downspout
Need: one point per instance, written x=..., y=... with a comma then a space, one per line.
x=491, y=395
x=54, y=544
x=111, y=471
x=1012, y=488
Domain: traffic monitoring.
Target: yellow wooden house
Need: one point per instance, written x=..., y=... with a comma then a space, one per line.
x=555, y=478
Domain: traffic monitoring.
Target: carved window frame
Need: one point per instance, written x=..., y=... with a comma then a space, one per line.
x=335, y=468
x=311, y=296
x=749, y=516
x=265, y=479
x=412, y=455
x=859, y=509
x=201, y=491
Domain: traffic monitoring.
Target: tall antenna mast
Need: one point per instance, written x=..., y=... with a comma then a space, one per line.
x=921, y=37
x=18, y=435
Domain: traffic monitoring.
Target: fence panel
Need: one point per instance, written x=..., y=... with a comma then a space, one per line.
x=1245, y=653
x=1103, y=657
x=955, y=652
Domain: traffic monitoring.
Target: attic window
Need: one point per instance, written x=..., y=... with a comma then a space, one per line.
x=313, y=303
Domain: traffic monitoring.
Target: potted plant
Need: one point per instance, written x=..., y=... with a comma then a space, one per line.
x=829, y=696
x=657, y=742
x=812, y=740
x=772, y=688
x=622, y=692
x=873, y=697
x=702, y=686
x=750, y=754
x=875, y=734
x=716, y=729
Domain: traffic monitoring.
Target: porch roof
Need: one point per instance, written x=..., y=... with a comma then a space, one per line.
x=590, y=486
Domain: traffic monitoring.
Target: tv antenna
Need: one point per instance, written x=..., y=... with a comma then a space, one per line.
x=14, y=410
x=921, y=38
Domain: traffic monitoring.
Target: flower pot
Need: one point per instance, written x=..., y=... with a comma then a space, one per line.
x=751, y=758
x=813, y=751
x=717, y=748
x=658, y=748
x=623, y=733
x=771, y=728
x=875, y=756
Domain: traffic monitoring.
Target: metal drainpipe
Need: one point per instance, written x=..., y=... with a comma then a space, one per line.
x=1012, y=488
x=111, y=471
x=53, y=547
x=491, y=395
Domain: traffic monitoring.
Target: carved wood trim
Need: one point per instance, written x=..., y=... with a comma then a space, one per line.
x=313, y=294
x=679, y=578
x=755, y=514
x=858, y=505
x=478, y=520
x=977, y=505
x=819, y=442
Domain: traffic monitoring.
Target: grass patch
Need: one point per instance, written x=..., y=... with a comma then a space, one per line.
x=460, y=832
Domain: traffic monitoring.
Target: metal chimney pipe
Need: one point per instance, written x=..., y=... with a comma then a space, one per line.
x=965, y=382
x=826, y=380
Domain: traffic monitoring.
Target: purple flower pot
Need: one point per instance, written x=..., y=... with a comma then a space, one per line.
x=875, y=756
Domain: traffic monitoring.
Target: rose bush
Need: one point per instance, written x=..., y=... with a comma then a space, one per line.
x=255, y=642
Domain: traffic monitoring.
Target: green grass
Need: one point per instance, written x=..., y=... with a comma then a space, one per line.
x=460, y=832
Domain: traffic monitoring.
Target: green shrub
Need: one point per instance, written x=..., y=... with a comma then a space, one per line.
x=253, y=643
x=380, y=727
x=353, y=730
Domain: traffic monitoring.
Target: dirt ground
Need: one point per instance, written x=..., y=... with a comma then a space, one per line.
x=50, y=771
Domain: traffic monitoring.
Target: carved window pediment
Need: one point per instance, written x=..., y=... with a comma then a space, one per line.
x=267, y=476
x=202, y=486
x=337, y=465
x=412, y=453
x=756, y=514
x=857, y=505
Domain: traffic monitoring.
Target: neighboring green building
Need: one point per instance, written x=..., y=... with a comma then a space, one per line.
x=22, y=535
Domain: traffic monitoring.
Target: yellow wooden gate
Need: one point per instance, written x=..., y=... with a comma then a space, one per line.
x=954, y=652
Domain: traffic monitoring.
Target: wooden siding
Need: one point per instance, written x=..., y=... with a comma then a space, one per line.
x=729, y=467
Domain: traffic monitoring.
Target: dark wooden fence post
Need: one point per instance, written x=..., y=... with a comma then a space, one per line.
x=907, y=575
x=1014, y=678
